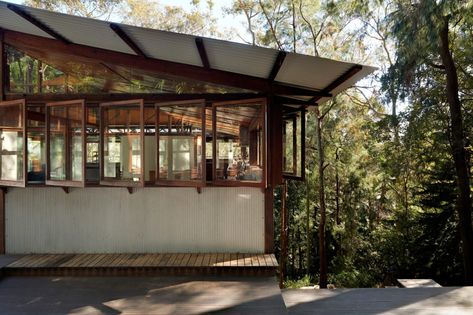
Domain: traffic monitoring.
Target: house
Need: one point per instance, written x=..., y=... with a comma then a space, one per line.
x=120, y=139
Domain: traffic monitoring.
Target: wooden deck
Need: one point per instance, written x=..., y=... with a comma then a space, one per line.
x=141, y=264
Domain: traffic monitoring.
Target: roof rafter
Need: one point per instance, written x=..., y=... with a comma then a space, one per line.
x=124, y=37
x=277, y=65
x=27, y=16
x=199, y=42
x=338, y=81
x=17, y=39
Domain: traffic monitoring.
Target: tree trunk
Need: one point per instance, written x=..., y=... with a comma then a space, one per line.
x=284, y=230
x=337, y=190
x=308, y=231
x=463, y=206
x=322, y=253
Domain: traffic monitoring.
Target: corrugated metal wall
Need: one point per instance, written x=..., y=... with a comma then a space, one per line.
x=110, y=220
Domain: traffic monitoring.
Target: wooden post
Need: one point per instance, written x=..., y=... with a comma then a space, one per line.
x=284, y=235
x=3, y=67
x=2, y=221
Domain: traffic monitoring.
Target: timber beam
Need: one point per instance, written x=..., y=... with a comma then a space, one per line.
x=147, y=97
x=337, y=82
x=199, y=42
x=127, y=39
x=24, y=42
x=277, y=65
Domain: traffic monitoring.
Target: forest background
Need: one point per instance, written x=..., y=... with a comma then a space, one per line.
x=387, y=192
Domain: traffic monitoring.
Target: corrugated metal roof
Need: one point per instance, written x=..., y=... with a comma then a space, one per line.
x=303, y=70
x=240, y=58
x=297, y=70
x=9, y=20
x=165, y=45
x=81, y=30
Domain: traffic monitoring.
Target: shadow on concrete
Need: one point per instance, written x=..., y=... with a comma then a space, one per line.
x=140, y=295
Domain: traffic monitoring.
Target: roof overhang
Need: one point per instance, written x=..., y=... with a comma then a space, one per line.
x=296, y=77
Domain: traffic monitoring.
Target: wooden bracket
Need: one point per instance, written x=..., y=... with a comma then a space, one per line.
x=5, y=190
x=199, y=190
x=66, y=189
x=130, y=190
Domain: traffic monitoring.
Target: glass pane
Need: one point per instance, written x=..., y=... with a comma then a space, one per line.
x=122, y=143
x=288, y=146
x=292, y=145
x=239, y=142
x=180, y=142
x=65, y=142
x=150, y=144
x=208, y=143
x=92, y=166
x=11, y=142
x=36, y=68
x=36, y=156
x=11, y=146
x=36, y=144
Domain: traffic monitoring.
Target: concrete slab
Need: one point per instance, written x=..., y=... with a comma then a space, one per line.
x=140, y=295
x=418, y=283
x=389, y=301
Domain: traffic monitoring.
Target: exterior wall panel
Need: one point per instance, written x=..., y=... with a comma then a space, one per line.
x=110, y=220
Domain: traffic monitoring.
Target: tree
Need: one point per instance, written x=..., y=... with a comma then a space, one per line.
x=423, y=32
x=100, y=9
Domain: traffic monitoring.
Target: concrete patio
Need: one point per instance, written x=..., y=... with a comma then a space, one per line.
x=415, y=301
x=216, y=295
x=140, y=295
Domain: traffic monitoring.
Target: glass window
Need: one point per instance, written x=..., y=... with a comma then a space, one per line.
x=92, y=162
x=65, y=143
x=150, y=144
x=181, y=149
x=12, y=151
x=36, y=144
x=293, y=142
x=123, y=137
x=239, y=141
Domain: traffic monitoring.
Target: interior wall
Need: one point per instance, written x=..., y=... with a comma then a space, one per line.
x=110, y=220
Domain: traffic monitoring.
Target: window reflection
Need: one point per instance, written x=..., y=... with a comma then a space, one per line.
x=239, y=142
x=122, y=151
x=293, y=130
x=66, y=141
x=11, y=142
x=36, y=143
x=180, y=142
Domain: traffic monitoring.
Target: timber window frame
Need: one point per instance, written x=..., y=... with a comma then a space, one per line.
x=261, y=144
x=293, y=116
x=199, y=103
x=19, y=129
x=131, y=104
x=68, y=181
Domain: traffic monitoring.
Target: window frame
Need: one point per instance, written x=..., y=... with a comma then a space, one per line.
x=67, y=182
x=122, y=183
x=238, y=183
x=292, y=115
x=19, y=183
x=183, y=183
